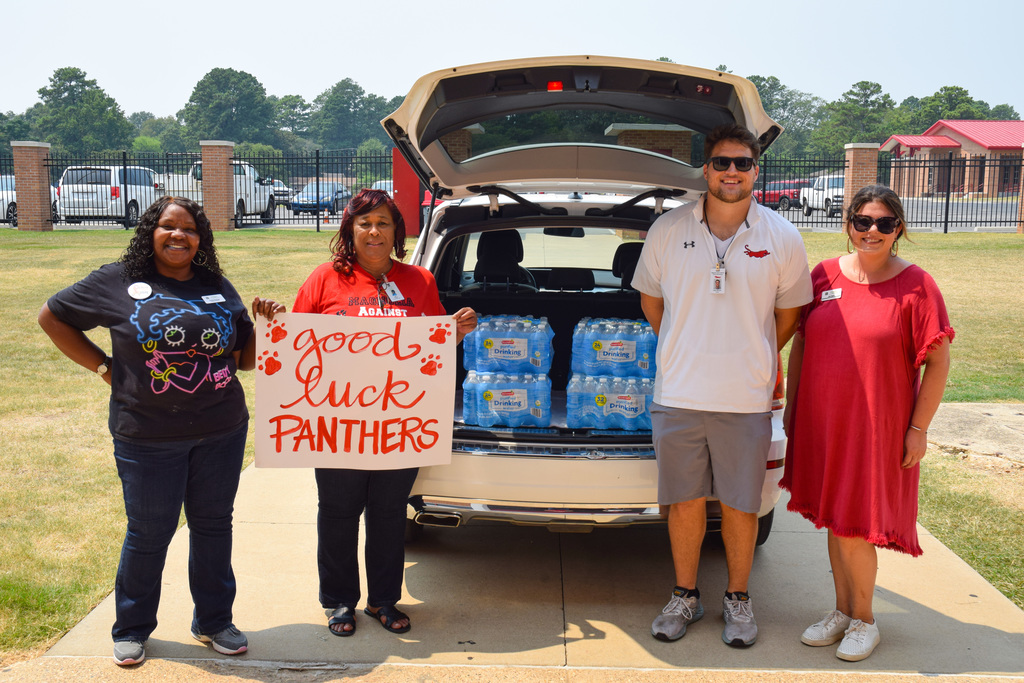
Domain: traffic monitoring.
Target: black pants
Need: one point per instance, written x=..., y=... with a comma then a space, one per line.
x=343, y=496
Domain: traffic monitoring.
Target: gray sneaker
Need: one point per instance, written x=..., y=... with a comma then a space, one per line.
x=230, y=641
x=740, y=628
x=128, y=652
x=671, y=623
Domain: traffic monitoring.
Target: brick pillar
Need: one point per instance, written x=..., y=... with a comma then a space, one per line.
x=458, y=144
x=32, y=185
x=861, y=169
x=219, y=184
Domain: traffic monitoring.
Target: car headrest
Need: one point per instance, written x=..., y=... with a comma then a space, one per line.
x=499, y=246
x=625, y=260
x=571, y=279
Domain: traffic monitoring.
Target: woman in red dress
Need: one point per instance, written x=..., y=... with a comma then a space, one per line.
x=858, y=409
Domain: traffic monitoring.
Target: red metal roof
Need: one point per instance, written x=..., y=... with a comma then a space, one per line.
x=988, y=134
x=913, y=142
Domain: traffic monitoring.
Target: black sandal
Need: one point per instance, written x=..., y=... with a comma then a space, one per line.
x=391, y=614
x=341, y=615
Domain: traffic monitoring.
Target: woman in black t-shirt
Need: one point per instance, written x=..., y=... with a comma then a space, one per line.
x=179, y=333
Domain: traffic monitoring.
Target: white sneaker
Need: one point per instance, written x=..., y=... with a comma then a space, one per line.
x=827, y=631
x=859, y=642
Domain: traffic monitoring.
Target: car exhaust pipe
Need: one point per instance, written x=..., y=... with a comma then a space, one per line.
x=446, y=519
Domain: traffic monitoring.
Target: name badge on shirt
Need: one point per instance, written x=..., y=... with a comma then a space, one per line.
x=830, y=294
x=391, y=289
x=140, y=290
x=214, y=299
x=717, y=283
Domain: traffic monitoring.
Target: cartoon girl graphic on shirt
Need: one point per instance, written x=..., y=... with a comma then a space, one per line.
x=187, y=340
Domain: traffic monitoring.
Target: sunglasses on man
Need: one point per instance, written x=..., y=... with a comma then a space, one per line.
x=743, y=164
x=885, y=224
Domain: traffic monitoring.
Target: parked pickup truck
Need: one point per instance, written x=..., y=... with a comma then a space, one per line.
x=781, y=194
x=826, y=194
x=254, y=195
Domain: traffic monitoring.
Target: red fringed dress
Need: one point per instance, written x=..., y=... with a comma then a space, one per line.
x=863, y=349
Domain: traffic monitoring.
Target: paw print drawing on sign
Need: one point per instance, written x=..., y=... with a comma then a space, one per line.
x=440, y=333
x=430, y=365
x=277, y=331
x=268, y=363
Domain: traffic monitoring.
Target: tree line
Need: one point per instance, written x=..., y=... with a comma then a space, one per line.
x=77, y=117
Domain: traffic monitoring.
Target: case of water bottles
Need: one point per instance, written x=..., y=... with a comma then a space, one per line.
x=615, y=347
x=606, y=402
x=509, y=344
x=507, y=359
x=515, y=400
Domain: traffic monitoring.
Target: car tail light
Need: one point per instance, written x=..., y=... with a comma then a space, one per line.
x=115, y=192
x=554, y=86
x=58, y=190
x=776, y=464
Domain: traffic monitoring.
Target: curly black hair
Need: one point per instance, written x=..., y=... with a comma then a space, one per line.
x=343, y=248
x=138, y=257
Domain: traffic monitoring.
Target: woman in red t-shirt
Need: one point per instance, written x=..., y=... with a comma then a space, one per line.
x=366, y=277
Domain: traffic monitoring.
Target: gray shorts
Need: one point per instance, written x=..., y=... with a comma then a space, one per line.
x=707, y=454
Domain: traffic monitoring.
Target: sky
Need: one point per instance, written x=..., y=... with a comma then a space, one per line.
x=149, y=55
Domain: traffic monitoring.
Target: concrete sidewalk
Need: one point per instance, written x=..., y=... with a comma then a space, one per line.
x=521, y=604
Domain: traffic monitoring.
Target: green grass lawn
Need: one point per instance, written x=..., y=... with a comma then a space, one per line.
x=61, y=514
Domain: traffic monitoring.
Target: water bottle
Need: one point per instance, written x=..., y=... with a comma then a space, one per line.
x=647, y=389
x=647, y=352
x=603, y=393
x=573, y=403
x=540, y=403
x=576, y=364
x=469, y=398
x=485, y=395
x=631, y=419
x=541, y=351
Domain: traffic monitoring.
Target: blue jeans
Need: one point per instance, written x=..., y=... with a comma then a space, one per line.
x=343, y=495
x=157, y=479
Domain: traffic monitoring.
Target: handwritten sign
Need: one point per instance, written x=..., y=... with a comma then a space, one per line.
x=359, y=393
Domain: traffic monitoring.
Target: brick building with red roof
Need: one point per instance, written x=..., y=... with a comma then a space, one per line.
x=983, y=157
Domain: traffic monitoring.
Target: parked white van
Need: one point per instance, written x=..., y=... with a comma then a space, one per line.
x=119, y=193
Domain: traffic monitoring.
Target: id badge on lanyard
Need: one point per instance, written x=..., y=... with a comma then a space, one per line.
x=717, y=282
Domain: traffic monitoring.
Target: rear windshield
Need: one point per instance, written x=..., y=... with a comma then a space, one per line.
x=87, y=176
x=578, y=126
x=594, y=249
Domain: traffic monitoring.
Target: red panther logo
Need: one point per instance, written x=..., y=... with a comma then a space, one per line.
x=755, y=254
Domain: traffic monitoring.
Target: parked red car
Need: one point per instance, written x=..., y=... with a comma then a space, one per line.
x=781, y=194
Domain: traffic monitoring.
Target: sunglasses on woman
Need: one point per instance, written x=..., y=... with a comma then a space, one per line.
x=885, y=224
x=743, y=164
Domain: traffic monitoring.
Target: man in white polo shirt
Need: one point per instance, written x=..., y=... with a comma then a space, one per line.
x=722, y=282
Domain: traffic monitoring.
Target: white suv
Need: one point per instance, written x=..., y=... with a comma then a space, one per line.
x=552, y=226
x=118, y=193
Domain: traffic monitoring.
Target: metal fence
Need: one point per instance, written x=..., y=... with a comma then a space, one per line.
x=307, y=189
x=785, y=182
x=315, y=188
x=947, y=191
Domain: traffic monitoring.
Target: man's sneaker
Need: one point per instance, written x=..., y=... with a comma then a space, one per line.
x=740, y=627
x=827, y=631
x=680, y=611
x=230, y=641
x=128, y=652
x=859, y=642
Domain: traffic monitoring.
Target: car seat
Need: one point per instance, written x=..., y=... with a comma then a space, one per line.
x=498, y=255
x=624, y=262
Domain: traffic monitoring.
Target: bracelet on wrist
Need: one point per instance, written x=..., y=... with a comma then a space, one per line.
x=918, y=429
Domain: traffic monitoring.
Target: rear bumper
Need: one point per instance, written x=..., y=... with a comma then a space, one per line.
x=558, y=491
